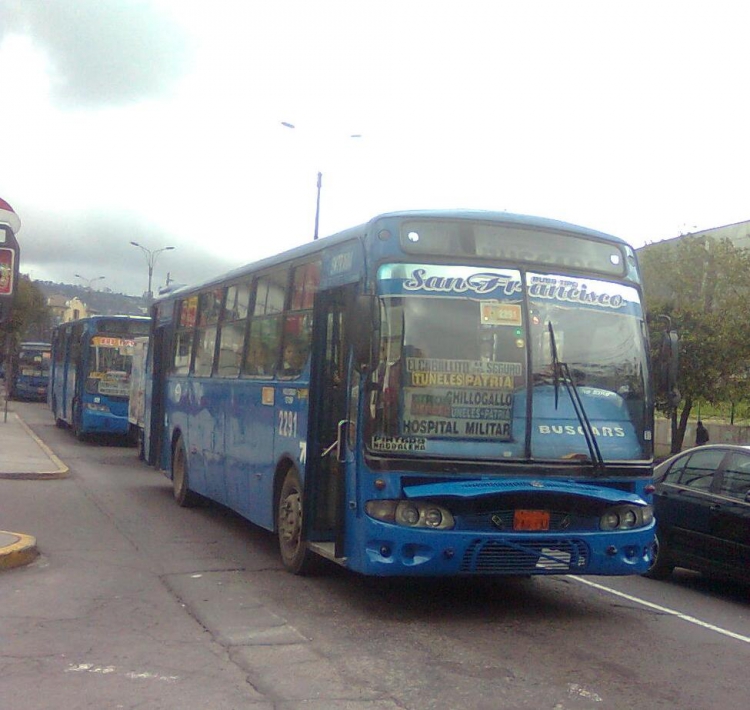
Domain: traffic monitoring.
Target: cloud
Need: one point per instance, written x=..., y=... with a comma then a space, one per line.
x=57, y=246
x=102, y=52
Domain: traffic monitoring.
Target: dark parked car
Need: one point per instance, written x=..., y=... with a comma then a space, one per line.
x=702, y=510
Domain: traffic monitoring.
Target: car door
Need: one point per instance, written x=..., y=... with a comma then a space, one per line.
x=730, y=516
x=684, y=507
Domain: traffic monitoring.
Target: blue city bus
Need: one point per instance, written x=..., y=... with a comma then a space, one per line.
x=29, y=372
x=90, y=377
x=429, y=393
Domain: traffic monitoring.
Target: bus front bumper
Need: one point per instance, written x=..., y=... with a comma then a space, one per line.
x=391, y=550
x=99, y=422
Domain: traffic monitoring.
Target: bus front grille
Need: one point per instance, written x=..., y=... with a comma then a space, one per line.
x=506, y=557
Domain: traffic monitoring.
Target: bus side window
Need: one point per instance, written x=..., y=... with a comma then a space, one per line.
x=297, y=335
x=183, y=346
x=263, y=346
x=210, y=304
x=233, y=325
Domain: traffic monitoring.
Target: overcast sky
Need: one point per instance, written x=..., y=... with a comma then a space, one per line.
x=159, y=121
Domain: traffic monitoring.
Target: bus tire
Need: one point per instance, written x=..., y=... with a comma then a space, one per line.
x=140, y=443
x=295, y=555
x=180, y=479
x=661, y=564
x=78, y=422
x=59, y=422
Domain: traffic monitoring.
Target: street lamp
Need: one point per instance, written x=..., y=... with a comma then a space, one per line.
x=89, y=281
x=151, y=260
x=286, y=124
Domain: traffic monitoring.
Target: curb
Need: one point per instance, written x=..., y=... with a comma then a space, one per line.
x=62, y=469
x=18, y=553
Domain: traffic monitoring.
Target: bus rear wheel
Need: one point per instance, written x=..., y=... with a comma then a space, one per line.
x=180, y=480
x=289, y=524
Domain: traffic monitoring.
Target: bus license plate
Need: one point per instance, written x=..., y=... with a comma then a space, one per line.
x=531, y=520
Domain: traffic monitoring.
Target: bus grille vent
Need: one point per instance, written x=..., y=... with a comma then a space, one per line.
x=538, y=557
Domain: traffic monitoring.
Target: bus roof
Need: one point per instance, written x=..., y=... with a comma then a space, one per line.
x=89, y=319
x=361, y=230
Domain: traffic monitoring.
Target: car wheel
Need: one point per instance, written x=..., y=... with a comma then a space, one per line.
x=661, y=562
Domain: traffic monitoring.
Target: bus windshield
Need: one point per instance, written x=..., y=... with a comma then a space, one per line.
x=457, y=345
x=111, y=361
x=34, y=362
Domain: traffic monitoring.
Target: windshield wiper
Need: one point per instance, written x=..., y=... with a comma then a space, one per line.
x=561, y=368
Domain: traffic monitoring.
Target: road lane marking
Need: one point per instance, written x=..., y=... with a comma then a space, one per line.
x=663, y=609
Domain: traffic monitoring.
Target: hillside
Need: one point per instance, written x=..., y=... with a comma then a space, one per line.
x=103, y=302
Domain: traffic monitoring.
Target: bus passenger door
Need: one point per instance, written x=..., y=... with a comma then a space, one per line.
x=325, y=481
x=158, y=360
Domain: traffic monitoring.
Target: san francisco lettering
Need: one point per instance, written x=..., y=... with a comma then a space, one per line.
x=483, y=283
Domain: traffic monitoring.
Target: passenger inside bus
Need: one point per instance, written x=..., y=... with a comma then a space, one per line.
x=294, y=359
x=259, y=361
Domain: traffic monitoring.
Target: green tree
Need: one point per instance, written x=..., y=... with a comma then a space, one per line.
x=701, y=284
x=30, y=318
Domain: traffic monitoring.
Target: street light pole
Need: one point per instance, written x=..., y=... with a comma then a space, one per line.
x=150, y=260
x=317, y=205
x=286, y=124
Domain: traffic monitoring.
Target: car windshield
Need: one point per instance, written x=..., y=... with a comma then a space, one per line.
x=456, y=349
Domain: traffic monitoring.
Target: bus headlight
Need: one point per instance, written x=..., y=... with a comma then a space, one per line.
x=411, y=513
x=92, y=407
x=626, y=517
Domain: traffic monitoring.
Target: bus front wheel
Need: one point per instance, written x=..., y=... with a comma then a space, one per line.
x=180, y=480
x=294, y=553
x=78, y=422
x=661, y=562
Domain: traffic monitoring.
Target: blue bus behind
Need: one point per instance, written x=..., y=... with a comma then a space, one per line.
x=430, y=393
x=30, y=368
x=90, y=376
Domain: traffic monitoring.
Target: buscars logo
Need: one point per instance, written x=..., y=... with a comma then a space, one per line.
x=569, y=430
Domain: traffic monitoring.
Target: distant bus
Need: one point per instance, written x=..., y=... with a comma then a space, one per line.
x=90, y=377
x=430, y=393
x=30, y=368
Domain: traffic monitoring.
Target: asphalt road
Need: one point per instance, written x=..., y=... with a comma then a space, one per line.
x=137, y=603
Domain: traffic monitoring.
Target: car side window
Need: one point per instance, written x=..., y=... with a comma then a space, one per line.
x=700, y=468
x=675, y=471
x=735, y=482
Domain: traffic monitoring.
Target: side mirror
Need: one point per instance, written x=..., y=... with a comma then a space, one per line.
x=361, y=326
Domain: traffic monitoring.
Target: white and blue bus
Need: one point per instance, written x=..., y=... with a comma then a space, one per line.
x=429, y=393
x=90, y=378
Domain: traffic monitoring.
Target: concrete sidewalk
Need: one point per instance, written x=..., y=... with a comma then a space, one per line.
x=23, y=455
